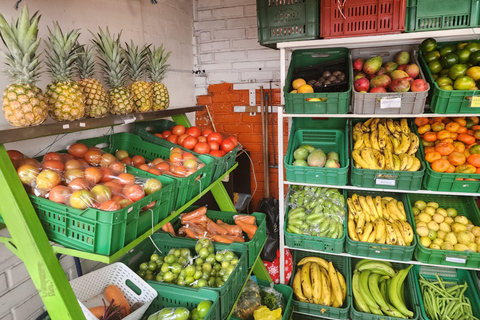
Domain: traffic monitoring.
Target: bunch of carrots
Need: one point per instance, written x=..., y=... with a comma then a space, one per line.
x=118, y=308
x=196, y=224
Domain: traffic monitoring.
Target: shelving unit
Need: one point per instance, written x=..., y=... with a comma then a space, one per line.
x=351, y=43
x=28, y=240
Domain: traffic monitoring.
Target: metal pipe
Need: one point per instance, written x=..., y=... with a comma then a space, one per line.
x=264, y=145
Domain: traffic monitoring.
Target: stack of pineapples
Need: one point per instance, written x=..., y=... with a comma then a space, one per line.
x=24, y=104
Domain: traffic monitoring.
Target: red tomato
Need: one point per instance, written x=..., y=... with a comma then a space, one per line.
x=52, y=156
x=214, y=146
x=178, y=130
x=202, y=148
x=234, y=140
x=166, y=134
x=78, y=150
x=93, y=157
x=217, y=153
x=215, y=136
x=53, y=165
x=227, y=145
x=172, y=138
x=202, y=139
x=138, y=160
x=188, y=155
x=189, y=143
x=193, y=131
x=126, y=178
x=182, y=138
x=180, y=170
x=158, y=135
x=206, y=132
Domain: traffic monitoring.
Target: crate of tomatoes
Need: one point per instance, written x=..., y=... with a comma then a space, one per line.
x=170, y=134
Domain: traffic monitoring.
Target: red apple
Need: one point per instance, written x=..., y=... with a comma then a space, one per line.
x=152, y=185
x=378, y=90
x=47, y=179
x=419, y=85
x=81, y=199
x=28, y=173
x=362, y=84
x=358, y=64
x=101, y=193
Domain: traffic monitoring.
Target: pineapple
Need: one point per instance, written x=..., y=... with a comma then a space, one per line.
x=114, y=69
x=142, y=92
x=23, y=103
x=157, y=69
x=64, y=97
x=96, y=98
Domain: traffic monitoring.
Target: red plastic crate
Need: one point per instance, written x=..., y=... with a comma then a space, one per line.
x=352, y=18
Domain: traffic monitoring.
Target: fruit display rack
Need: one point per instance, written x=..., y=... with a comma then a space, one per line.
x=286, y=49
x=28, y=240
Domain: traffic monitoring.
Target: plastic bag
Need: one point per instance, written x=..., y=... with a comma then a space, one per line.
x=270, y=208
x=249, y=300
x=271, y=298
x=263, y=313
x=248, y=224
x=170, y=314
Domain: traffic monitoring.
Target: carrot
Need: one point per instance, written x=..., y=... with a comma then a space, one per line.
x=181, y=231
x=249, y=229
x=214, y=228
x=219, y=238
x=189, y=233
x=234, y=238
x=97, y=311
x=197, y=220
x=167, y=227
x=245, y=218
x=198, y=230
x=112, y=292
x=194, y=214
x=232, y=230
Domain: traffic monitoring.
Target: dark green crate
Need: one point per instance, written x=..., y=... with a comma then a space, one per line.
x=253, y=246
x=447, y=101
x=336, y=102
x=97, y=231
x=228, y=293
x=429, y=15
x=367, y=178
x=442, y=181
x=325, y=139
x=187, y=187
x=448, y=274
x=411, y=299
x=340, y=263
x=176, y=296
x=382, y=251
x=146, y=130
x=301, y=316
x=280, y=21
x=324, y=244
x=287, y=294
x=465, y=206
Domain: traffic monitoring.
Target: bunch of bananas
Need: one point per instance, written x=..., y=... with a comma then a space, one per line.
x=384, y=144
x=317, y=281
x=380, y=220
x=379, y=290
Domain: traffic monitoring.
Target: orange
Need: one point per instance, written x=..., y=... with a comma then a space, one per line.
x=432, y=156
x=429, y=149
x=450, y=169
x=478, y=170
x=474, y=160
x=459, y=146
x=443, y=134
x=440, y=165
x=470, y=132
x=444, y=148
x=456, y=158
x=475, y=127
x=430, y=136
x=424, y=128
x=305, y=89
x=462, y=130
x=449, y=140
x=466, y=138
x=452, y=126
x=460, y=121
x=297, y=83
x=454, y=135
x=421, y=121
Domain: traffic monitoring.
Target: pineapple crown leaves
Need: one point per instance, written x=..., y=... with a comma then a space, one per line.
x=62, y=53
x=21, y=39
x=85, y=62
x=112, y=57
x=157, y=63
x=137, y=61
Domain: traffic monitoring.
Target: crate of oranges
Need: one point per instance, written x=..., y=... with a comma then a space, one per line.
x=451, y=149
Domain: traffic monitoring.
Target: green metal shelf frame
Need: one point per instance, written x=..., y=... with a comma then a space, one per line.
x=29, y=242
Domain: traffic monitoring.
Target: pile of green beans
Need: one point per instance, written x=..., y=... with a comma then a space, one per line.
x=444, y=300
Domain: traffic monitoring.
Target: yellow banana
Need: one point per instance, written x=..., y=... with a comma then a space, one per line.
x=379, y=158
x=321, y=262
x=385, y=212
x=359, y=142
x=367, y=155
x=391, y=235
x=416, y=165
x=389, y=199
x=366, y=125
x=316, y=282
x=390, y=126
x=398, y=127
x=401, y=209
x=351, y=230
x=373, y=125
x=372, y=206
x=366, y=140
x=378, y=206
x=365, y=206
x=410, y=161
x=358, y=126
x=306, y=282
x=372, y=236
x=297, y=287
x=392, y=207
x=356, y=203
x=404, y=158
x=343, y=285
x=414, y=144
x=388, y=143
x=336, y=289
x=351, y=208
x=408, y=232
x=374, y=140
x=389, y=162
x=404, y=144
x=397, y=163
x=380, y=230
x=400, y=240
x=395, y=143
x=367, y=231
x=360, y=223
x=382, y=136
x=404, y=126
x=359, y=160
x=326, y=288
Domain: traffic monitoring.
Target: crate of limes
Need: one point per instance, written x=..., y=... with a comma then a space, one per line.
x=452, y=69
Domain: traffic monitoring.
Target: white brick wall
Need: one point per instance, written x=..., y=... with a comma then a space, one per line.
x=228, y=48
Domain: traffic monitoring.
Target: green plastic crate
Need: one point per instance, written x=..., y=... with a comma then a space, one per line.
x=176, y=296
x=448, y=101
x=97, y=231
x=382, y=251
x=144, y=130
x=187, y=187
x=448, y=274
x=385, y=179
x=442, y=181
x=429, y=15
x=280, y=21
x=301, y=316
x=340, y=263
x=465, y=206
x=324, y=244
x=336, y=102
x=287, y=294
x=228, y=293
x=253, y=246
x=325, y=139
x=411, y=299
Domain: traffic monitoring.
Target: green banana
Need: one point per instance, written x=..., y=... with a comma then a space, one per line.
x=360, y=303
x=395, y=290
x=367, y=296
x=364, y=261
x=377, y=267
x=377, y=295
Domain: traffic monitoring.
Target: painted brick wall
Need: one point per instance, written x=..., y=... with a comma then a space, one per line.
x=220, y=100
x=227, y=47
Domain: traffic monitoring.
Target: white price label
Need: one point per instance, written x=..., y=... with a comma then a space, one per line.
x=475, y=102
x=456, y=260
x=390, y=103
x=385, y=182
x=82, y=124
x=66, y=126
x=130, y=209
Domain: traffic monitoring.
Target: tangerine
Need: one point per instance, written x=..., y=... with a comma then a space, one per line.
x=456, y=158
x=432, y=156
x=430, y=136
x=444, y=148
x=465, y=168
x=452, y=126
x=440, y=165
x=424, y=128
x=459, y=146
x=466, y=138
x=474, y=160
x=450, y=169
x=429, y=149
x=462, y=130
x=443, y=134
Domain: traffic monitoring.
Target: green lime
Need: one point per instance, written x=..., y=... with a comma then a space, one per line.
x=432, y=56
x=447, y=49
x=449, y=60
x=475, y=58
x=457, y=70
x=428, y=45
x=463, y=55
x=473, y=46
x=435, y=67
x=464, y=83
x=444, y=80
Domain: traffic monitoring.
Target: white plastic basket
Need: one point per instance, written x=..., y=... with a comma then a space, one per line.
x=89, y=289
